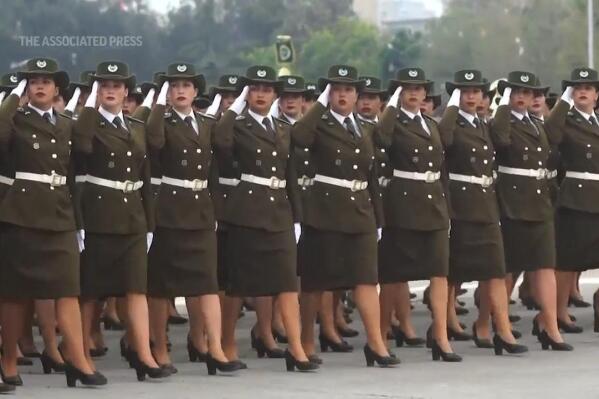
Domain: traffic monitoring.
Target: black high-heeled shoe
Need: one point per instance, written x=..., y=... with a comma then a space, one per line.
x=111, y=324
x=49, y=364
x=262, y=350
x=547, y=342
x=340, y=347
x=481, y=343
x=530, y=303
x=569, y=328
x=194, y=354
x=170, y=367
x=347, y=332
x=73, y=374
x=429, y=337
x=292, y=363
x=500, y=345
x=458, y=335
x=177, y=320
x=142, y=369
x=383, y=361
x=6, y=388
x=535, y=327
x=438, y=354
x=514, y=318
x=224, y=367
x=315, y=359
x=595, y=312
x=401, y=338
x=14, y=380
x=98, y=352
x=578, y=302
x=280, y=338
x=461, y=311
x=413, y=295
x=24, y=361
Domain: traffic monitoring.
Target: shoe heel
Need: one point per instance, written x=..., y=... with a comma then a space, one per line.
x=141, y=375
x=398, y=341
x=545, y=346
x=46, y=366
x=211, y=369
x=71, y=381
x=498, y=351
x=436, y=354
x=261, y=353
x=193, y=356
x=323, y=346
x=289, y=364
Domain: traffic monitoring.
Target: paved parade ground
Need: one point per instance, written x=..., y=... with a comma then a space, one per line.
x=538, y=374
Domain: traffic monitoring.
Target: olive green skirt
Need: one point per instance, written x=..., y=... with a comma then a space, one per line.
x=529, y=246
x=577, y=236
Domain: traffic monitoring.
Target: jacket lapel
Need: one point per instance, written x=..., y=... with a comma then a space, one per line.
x=109, y=128
x=337, y=129
x=188, y=132
x=583, y=123
x=412, y=126
x=256, y=128
x=41, y=124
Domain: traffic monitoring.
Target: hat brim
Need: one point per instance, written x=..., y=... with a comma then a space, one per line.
x=61, y=78
x=504, y=83
x=244, y=81
x=359, y=84
x=394, y=84
x=566, y=83
x=7, y=88
x=201, y=102
x=146, y=86
x=436, y=100
x=198, y=80
x=294, y=91
x=383, y=94
x=451, y=86
x=128, y=80
x=222, y=90
x=544, y=89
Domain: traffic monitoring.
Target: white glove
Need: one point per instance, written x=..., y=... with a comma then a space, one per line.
x=72, y=104
x=324, y=96
x=163, y=92
x=93, y=95
x=298, y=231
x=394, y=100
x=454, y=100
x=2, y=95
x=505, y=97
x=216, y=226
x=81, y=240
x=274, y=109
x=149, y=239
x=20, y=89
x=215, y=106
x=239, y=104
x=149, y=99
x=379, y=234
x=567, y=95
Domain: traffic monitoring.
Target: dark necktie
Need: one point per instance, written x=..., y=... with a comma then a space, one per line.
x=118, y=122
x=527, y=121
x=47, y=117
x=477, y=123
x=268, y=126
x=418, y=119
x=189, y=121
x=350, y=127
x=593, y=121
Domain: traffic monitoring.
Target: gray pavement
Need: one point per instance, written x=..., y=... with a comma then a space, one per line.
x=538, y=374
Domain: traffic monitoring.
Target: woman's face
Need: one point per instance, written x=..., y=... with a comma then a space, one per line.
x=584, y=96
x=181, y=93
x=521, y=99
x=41, y=91
x=112, y=94
x=470, y=99
x=260, y=98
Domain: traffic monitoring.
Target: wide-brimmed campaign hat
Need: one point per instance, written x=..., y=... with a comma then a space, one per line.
x=342, y=74
x=550, y=99
x=44, y=67
x=410, y=76
x=312, y=91
x=540, y=88
x=467, y=78
x=9, y=81
x=582, y=76
x=146, y=86
x=186, y=71
x=228, y=83
x=518, y=80
x=373, y=85
x=114, y=70
x=261, y=74
x=293, y=84
x=435, y=98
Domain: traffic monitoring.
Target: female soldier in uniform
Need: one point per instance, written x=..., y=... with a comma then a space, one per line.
x=117, y=207
x=41, y=258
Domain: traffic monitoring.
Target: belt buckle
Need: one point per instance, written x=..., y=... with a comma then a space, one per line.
x=384, y=181
x=305, y=181
x=56, y=180
x=541, y=174
x=487, y=181
x=128, y=186
x=197, y=185
x=357, y=185
x=430, y=176
x=274, y=183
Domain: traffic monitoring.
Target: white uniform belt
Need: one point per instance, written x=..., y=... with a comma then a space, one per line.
x=127, y=186
x=53, y=179
x=551, y=174
x=483, y=180
x=353, y=185
x=427, y=177
x=384, y=181
x=6, y=180
x=305, y=181
x=582, y=175
x=194, y=185
x=80, y=178
x=272, y=182
x=156, y=181
x=539, y=174
x=227, y=181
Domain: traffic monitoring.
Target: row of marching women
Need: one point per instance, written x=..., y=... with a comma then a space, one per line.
x=291, y=197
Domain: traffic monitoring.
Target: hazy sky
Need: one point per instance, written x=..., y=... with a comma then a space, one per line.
x=165, y=5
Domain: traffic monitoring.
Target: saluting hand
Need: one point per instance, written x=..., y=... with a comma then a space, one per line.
x=274, y=109
x=81, y=240
x=324, y=96
x=20, y=89
x=240, y=102
x=567, y=95
x=505, y=97
x=2, y=95
x=149, y=99
x=394, y=100
x=72, y=104
x=93, y=96
x=454, y=100
x=162, y=95
x=215, y=106
x=149, y=239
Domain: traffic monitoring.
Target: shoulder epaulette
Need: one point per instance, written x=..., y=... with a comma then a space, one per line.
x=134, y=120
